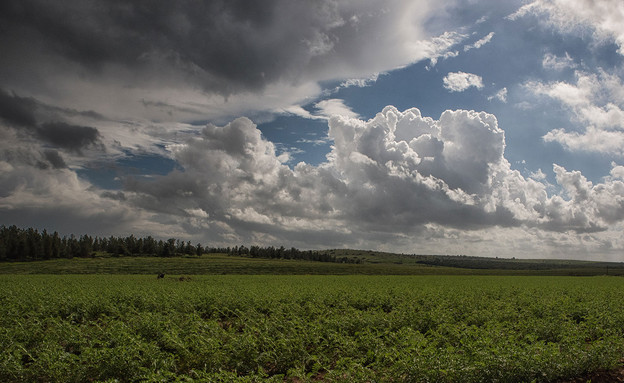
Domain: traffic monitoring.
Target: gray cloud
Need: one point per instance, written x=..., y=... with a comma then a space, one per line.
x=37, y=189
x=24, y=114
x=66, y=136
x=55, y=159
x=225, y=46
x=17, y=110
x=17, y=152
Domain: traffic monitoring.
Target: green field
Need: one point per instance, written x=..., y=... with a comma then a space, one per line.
x=227, y=328
x=373, y=263
x=206, y=264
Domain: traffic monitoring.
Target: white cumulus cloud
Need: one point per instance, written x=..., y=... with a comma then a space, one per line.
x=501, y=95
x=399, y=175
x=460, y=81
x=597, y=103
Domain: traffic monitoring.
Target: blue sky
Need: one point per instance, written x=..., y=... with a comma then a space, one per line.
x=481, y=127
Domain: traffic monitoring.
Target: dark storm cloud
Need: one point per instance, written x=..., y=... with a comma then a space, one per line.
x=71, y=137
x=55, y=159
x=21, y=113
x=222, y=46
x=69, y=112
x=17, y=110
x=119, y=196
x=216, y=41
x=168, y=108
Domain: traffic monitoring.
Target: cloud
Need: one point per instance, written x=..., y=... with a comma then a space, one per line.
x=605, y=17
x=617, y=171
x=25, y=115
x=460, y=81
x=323, y=110
x=54, y=197
x=70, y=137
x=597, y=102
x=538, y=175
x=397, y=175
x=360, y=82
x=479, y=43
x=591, y=140
x=120, y=79
x=334, y=107
x=410, y=170
x=397, y=182
x=589, y=205
x=55, y=159
x=501, y=95
x=553, y=62
x=17, y=110
x=440, y=47
x=169, y=62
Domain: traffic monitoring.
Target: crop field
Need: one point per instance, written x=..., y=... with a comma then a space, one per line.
x=227, y=328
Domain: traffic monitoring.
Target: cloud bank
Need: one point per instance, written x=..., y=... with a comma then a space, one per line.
x=400, y=181
x=399, y=175
x=605, y=17
x=596, y=101
x=110, y=81
x=189, y=60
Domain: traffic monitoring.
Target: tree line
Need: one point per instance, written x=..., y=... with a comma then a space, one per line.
x=31, y=244
x=17, y=244
x=271, y=252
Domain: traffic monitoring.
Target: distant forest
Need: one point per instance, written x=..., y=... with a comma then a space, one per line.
x=18, y=244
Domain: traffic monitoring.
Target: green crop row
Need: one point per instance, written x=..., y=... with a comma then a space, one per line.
x=308, y=328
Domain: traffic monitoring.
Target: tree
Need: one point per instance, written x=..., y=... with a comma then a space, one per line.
x=189, y=249
x=47, y=245
x=85, y=246
x=150, y=246
x=169, y=248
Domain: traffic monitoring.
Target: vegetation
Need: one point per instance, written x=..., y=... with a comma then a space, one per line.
x=307, y=328
x=228, y=264
x=209, y=264
x=89, y=314
x=29, y=245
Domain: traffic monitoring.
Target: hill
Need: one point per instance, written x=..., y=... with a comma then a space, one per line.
x=480, y=263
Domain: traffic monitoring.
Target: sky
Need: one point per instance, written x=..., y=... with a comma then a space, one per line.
x=484, y=128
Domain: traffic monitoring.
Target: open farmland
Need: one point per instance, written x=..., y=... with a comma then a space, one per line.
x=306, y=328
x=370, y=263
